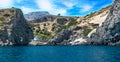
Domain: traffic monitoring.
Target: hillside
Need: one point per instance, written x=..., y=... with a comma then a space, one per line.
x=84, y=28
x=49, y=29
x=50, y=26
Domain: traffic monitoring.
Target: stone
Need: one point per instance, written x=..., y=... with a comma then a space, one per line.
x=62, y=21
x=16, y=31
x=110, y=29
x=61, y=38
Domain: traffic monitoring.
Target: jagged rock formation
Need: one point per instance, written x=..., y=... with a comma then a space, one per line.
x=14, y=28
x=35, y=15
x=62, y=38
x=61, y=21
x=109, y=32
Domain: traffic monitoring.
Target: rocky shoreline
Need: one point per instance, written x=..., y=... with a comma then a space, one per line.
x=62, y=30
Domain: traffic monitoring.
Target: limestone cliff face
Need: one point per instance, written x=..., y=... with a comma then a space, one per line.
x=14, y=27
x=109, y=32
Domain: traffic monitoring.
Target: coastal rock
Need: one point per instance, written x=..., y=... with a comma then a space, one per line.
x=79, y=41
x=38, y=43
x=15, y=30
x=61, y=38
x=109, y=32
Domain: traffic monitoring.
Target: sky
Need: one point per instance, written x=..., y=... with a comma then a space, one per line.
x=64, y=7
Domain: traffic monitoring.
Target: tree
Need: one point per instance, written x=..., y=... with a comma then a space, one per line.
x=13, y=7
x=59, y=14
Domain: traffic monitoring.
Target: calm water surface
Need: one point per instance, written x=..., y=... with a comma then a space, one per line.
x=60, y=54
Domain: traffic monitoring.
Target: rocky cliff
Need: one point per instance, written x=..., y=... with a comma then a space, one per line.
x=35, y=15
x=100, y=27
x=109, y=32
x=62, y=38
x=66, y=30
x=14, y=29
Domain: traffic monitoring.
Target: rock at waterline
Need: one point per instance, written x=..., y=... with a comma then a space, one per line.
x=15, y=29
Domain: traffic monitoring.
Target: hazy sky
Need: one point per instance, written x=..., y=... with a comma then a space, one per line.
x=64, y=7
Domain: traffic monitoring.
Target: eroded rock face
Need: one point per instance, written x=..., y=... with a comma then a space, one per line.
x=16, y=30
x=61, y=38
x=62, y=21
x=109, y=32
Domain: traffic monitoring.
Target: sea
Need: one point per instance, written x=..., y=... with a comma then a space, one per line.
x=60, y=54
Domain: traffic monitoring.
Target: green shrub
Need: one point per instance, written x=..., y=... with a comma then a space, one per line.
x=6, y=15
x=12, y=11
x=59, y=14
x=44, y=36
x=72, y=22
x=38, y=30
x=1, y=10
x=59, y=30
x=86, y=32
x=53, y=28
x=13, y=7
x=45, y=25
x=2, y=23
x=2, y=19
x=94, y=25
x=46, y=32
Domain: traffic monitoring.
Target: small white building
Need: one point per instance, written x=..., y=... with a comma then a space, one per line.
x=36, y=38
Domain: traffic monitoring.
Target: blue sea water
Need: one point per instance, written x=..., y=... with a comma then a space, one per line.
x=60, y=54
